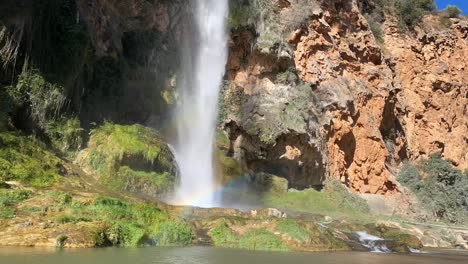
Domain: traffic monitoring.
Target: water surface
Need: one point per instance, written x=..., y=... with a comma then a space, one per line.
x=207, y=255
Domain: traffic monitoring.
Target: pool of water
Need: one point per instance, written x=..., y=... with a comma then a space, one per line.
x=209, y=255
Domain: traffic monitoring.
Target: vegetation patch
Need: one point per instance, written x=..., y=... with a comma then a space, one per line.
x=131, y=158
x=262, y=239
x=441, y=188
x=294, y=230
x=173, y=233
x=23, y=159
x=335, y=200
x=223, y=236
x=117, y=222
x=8, y=199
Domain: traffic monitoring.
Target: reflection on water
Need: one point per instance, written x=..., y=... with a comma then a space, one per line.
x=206, y=255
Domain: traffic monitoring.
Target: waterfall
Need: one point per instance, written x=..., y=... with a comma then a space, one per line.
x=375, y=244
x=204, y=59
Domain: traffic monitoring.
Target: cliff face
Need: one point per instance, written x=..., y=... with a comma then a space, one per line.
x=433, y=72
x=344, y=106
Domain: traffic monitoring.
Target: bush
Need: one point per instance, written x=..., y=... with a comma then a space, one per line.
x=65, y=134
x=376, y=28
x=44, y=99
x=441, y=188
x=412, y=11
x=452, y=11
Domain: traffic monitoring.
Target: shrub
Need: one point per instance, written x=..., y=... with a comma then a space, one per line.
x=65, y=134
x=240, y=15
x=441, y=188
x=375, y=27
x=43, y=98
x=412, y=11
x=452, y=11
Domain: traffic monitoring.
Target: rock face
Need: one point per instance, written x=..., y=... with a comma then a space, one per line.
x=433, y=72
x=340, y=105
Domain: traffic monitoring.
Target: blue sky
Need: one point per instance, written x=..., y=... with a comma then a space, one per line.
x=462, y=4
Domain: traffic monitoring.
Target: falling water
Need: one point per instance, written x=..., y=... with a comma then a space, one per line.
x=205, y=57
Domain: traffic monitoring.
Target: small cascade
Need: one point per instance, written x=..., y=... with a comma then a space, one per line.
x=375, y=244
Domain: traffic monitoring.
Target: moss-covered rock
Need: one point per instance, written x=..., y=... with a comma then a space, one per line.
x=86, y=220
x=397, y=240
x=270, y=183
x=130, y=158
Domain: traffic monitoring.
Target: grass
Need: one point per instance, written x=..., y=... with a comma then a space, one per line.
x=262, y=239
x=335, y=200
x=254, y=239
x=223, y=236
x=173, y=233
x=8, y=199
x=24, y=160
x=294, y=230
x=114, y=221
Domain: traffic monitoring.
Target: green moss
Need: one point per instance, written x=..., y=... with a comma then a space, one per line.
x=24, y=160
x=119, y=140
x=294, y=230
x=261, y=239
x=223, y=236
x=131, y=158
x=398, y=241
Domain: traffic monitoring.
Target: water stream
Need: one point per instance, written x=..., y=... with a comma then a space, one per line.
x=204, y=59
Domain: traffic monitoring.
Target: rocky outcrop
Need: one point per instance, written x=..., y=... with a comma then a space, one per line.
x=343, y=106
x=433, y=73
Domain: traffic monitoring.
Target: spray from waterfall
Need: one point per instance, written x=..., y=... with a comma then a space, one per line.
x=204, y=59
